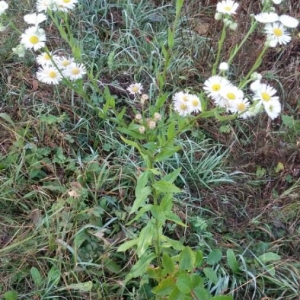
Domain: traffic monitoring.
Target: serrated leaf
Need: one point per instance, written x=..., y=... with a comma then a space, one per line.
x=166, y=187
x=187, y=259
x=211, y=274
x=165, y=287
x=269, y=256
x=168, y=263
x=140, y=267
x=214, y=257
x=232, y=262
x=142, y=196
x=184, y=284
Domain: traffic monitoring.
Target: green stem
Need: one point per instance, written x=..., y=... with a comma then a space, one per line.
x=254, y=67
x=220, y=46
x=237, y=49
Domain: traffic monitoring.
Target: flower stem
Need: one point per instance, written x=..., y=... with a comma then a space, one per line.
x=220, y=46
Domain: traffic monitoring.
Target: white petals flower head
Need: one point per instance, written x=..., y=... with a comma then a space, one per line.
x=265, y=93
x=44, y=5
x=214, y=85
x=65, y=5
x=272, y=108
x=49, y=75
x=135, y=88
x=45, y=59
x=195, y=104
x=255, y=85
x=35, y=19
x=227, y=7
x=74, y=71
x=240, y=106
x=277, y=1
x=181, y=103
x=266, y=17
x=288, y=21
x=277, y=33
x=63, y=62
x=3, y=7
x=232, y=93
x=157, y=116
x=223, y=66
x=33, y=38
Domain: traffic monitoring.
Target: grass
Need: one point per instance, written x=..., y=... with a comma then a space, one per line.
x=67, y=179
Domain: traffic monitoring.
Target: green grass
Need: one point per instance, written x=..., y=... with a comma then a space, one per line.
x=67, y=179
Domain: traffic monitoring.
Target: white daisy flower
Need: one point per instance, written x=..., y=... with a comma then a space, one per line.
x=277, y=1
x=266, y=17
x=3, y=7
x=181, y=96
x=44, y=59
x=44, y=5
x=33, y=38
x=255, y=85
x=49, y=75
x=195, y=103
x=135, y=88
x=35, y=19
x=277, y=33
x=227, y=7
x=272, y=108
x=232, y=93
x=214, y=85
x=63, y=62
x=65, y=5
x=74, y=71
x=265, y=93
x=182, y=107
x=288, y=21
x=240, y=106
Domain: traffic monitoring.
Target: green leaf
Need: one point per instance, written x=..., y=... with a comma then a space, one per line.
x=141, y=182
x=7, y=118
x=211, y=274
x=269, y=256
x=202, y=293
x=166, y=153
x=222, y=298
x=184, y=284
x=53, y=276
x=171, y=132
x=36, y=276
x=165, y=287
x=81, y=286
x=140, y=267
x=198, y=258
x=11, y=295
x=170, y=38
x=111, y=266
x=161, y=100
x=288, y=121
x=140, y=213
x=145, y=239
x=214, y=257
x=167, y=202
x=168, y=263
x=174, y=218
x=187, y=259
x=177, y=245
x=127, y=245
x=171, y=177
x=166, y=187
x=142, y=196
x=197, y=281
x=177, y=295
x=232, y=262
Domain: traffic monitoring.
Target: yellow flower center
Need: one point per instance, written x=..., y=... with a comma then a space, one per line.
x=47, y=57
x=216, y=87
x=66, y=1
x=135, y=89
x=52, y=74
x=278, y=32
x=75, y=71
x=65, y=63
x=195, y=102
x=34, y=39
x=231, y=96
x=183, y=106
x=265, y=96
x=241, y=106
x=227, y=8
